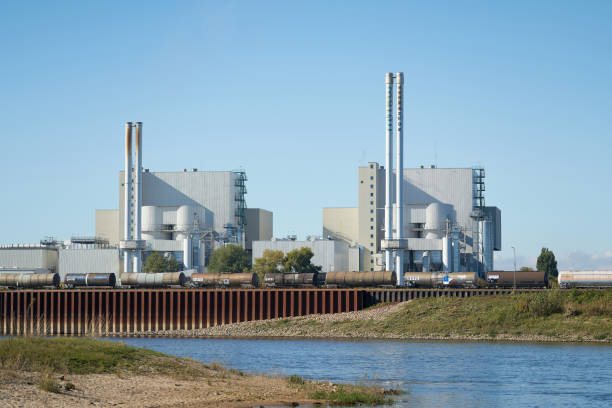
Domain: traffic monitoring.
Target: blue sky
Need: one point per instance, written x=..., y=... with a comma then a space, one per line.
x=294, y=94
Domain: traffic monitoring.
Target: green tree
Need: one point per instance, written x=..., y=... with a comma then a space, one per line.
x=547, y=262
x=229, y=259
x=526, y=269
x=298, y=261
x=157, y=263
x=268, y=263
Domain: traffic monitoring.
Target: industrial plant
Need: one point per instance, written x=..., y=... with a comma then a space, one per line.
x=184, y=215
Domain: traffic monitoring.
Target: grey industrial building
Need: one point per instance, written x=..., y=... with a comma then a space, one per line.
x=330, y=255
x=429, y=219
x=184, y=214
x=438, y=203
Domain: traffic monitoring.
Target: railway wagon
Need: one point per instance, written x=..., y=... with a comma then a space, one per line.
x=440, y=279
x=152, y=280
x=90, y=279
x=524, y=279
x=272, y=280
x=29, y=280
x=585, y=279
x=360, y=279
x=225, y=280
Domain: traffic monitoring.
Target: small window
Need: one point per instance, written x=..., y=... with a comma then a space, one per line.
x=371, y=166
x=371, y=219
x=371, y=269
x=371, y=177
x=371, y=194
x=371, y=235
x=371, y=185
x=371, y=227
x=371, y=202
x=371, y=244
x=371, y=252
x=361, y=181
x=371, y=211
x=371, y=261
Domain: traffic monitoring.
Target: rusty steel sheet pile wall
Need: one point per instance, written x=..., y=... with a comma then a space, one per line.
x=125, y=312
x=147, y=311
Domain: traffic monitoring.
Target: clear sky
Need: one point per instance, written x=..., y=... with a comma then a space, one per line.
x=293, y=92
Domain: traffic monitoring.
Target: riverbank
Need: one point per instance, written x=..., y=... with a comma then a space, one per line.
x=73, y=372
x=551, y=316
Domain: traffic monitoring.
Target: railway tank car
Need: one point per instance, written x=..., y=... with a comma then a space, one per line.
x=294, y=280
x=440, y=279
x=360, y=279
x=225, y=280
x=90, y=279
x=524, y=279
x=151, y=280
x=585, y=279
x=29, y=280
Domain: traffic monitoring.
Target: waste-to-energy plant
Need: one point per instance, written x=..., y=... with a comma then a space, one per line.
x=429, y=219
x=184, y=214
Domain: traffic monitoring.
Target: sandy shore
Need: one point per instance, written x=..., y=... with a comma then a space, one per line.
x=21, y=389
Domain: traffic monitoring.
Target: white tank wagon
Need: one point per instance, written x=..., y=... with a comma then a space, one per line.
x=585, y=279
x=152, y=280
x=29, y=280
x=439, y=280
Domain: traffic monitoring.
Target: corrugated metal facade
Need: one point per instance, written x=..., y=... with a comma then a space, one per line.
x=329, y=255
x=98, y=260
x=35, y=258
x=213, y=190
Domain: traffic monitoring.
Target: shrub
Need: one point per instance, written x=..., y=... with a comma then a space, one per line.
x=295, y=380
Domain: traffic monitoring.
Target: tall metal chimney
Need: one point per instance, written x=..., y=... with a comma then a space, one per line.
x=399, y=176
x=138, y=195
x=388, y=165
x=127, y=229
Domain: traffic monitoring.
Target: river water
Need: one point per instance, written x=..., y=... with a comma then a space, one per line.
x=432, y=374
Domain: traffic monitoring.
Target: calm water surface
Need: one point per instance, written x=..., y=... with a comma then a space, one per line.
x=431, y=374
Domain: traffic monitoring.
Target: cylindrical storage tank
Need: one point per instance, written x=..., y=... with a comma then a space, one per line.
x=462, y=279
x=426, y=261
x=524, y=279
x=232, y=280
x=435, y=219
x=152, y=223
x=361, y=279
x=418, y=279
x=29, y=280
x=153, y=279
x=271, y=280
x=184, y=222
x=90, y=279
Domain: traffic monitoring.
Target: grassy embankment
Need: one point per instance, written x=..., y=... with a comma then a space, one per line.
x=564, y=315
x=50, y=358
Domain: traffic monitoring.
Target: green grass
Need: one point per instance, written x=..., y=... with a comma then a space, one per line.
x=576, y=315
x=87, y=356
x=351, y=395
x=295, y=380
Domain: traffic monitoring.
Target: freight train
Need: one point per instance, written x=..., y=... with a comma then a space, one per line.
x=585, y=279
x=336, y=279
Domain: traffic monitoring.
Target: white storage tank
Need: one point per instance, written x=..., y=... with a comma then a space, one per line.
x=184, y=222
x=436, y=215
x=152, y=223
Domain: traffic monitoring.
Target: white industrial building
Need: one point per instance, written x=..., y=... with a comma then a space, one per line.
x=330, y=255
x=185, y=214
x=36, y=258
x=430, y=219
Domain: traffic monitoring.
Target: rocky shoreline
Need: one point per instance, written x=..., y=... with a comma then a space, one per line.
x=334, y=326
